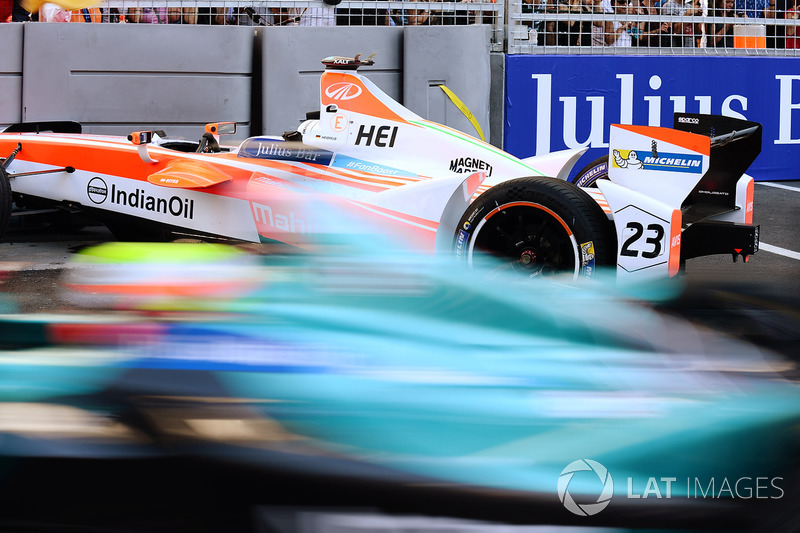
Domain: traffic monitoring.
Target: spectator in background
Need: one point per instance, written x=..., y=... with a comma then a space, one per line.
x=636, y=28
x=18, y=13
x=322, y=15
x=683, y=32
x=585, y=26
x=417, y=17
x=691, y=30
x=721, y=34
x=452, y=17
x=177, y=15
x=112, y=14
x=362, y=17
x=598, y=26
x=753, y=9
x=792, y=38
x=53, y=13
x=148, y=15
x=759, y=9
x=569, y=32
x=653, y=33
x=50, y=12
x=617, y=32
x=87, y=14
x=6, y=8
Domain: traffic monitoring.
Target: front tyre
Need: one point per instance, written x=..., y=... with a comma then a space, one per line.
x=536, y=227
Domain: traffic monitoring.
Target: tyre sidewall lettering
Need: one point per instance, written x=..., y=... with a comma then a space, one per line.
x=588, y=175
x=592, y=241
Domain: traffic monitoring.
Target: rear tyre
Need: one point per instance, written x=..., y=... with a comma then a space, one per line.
x=536, y=227
x=596, y=170
x=5, y=200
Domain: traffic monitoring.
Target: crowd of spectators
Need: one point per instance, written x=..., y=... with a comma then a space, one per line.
x=661, y=23
x=324, y=14
x=665, y=25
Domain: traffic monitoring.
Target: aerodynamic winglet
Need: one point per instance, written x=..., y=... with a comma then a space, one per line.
x=189, y=175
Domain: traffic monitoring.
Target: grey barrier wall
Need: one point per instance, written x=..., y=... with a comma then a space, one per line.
x=118, y=78
x=456, y=57
x=497, y=98
x=410, y=63
x=291, y=59
x=11, y=73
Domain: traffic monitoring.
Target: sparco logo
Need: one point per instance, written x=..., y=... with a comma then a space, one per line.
x=97, y=190
x=343, y=91
x=598, y=471
x=688, y=120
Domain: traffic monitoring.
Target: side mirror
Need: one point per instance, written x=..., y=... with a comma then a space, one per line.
x=221, y=128
x=141, y=137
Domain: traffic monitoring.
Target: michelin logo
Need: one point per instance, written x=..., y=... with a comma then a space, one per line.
x=663, y=161
x=631, y=161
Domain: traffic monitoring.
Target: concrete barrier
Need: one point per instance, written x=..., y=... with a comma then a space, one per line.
x=117, y=78
x=290, y=63
x=454, y=56
x=11, y=73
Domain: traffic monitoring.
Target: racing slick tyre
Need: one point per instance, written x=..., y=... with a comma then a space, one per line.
x=536, y=226
x=5, y=200
x=588, y=175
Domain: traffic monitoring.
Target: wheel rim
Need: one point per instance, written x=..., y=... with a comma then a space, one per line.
x=528, y=238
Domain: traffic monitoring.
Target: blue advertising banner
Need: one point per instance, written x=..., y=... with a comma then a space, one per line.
x=558, y=102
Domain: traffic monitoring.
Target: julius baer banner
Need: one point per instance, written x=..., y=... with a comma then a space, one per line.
x=558, y=102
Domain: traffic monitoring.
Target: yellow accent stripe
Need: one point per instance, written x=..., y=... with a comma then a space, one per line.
x=464, y=109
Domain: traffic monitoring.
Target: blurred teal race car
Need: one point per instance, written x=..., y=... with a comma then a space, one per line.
x=393, y=388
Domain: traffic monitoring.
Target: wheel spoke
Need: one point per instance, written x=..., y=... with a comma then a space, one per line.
x=528, y=239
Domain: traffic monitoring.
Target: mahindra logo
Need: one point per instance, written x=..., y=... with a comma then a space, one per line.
x=343, y=91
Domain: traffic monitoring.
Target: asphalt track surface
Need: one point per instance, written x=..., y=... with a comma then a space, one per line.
x=758, y=300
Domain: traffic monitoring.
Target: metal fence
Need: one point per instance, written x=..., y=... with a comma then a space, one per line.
x=670, y=27
x=291, y=13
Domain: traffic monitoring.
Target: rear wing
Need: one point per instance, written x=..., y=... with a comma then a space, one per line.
x=678, y=193
x=735, y=144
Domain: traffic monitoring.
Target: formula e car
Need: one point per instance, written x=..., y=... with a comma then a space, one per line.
x=363, y=162
x=387, y=387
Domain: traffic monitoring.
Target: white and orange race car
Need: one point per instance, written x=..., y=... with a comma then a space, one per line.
x=366, y=163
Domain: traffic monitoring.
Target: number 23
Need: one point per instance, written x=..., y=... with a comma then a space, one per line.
x=654, y=240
